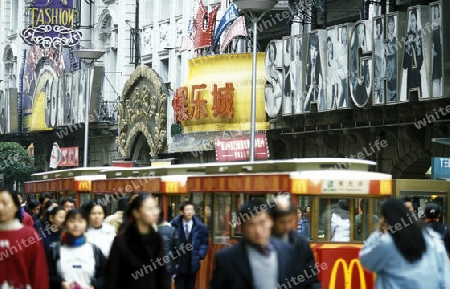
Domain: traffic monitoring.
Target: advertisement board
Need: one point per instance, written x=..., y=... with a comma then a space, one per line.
x=237, y=149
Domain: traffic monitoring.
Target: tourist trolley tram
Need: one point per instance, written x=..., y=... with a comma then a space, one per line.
x=217, y=190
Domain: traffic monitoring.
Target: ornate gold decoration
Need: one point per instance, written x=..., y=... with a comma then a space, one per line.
x=142, y=109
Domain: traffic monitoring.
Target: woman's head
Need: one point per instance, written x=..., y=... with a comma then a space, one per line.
x=299, y=213
x=313, y=47
x=378, y=28
x=56, y=216
x=413, y=20
x=144, y=210
x=75, y=222
x=391, y=25
x=95, y=212
x=404, y=229
x=9, y=206
x=436, y=12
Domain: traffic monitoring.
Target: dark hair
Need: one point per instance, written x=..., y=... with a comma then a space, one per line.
x=53, y=211
x=407, y=199
x=432, y=211
x=122, y=204
x=248, y=208
x=391, y=19
x=276, y=212
x=74, y=213
x=49, y=204
x=137, y=203
x=86, y=208
x=409, y=241
x=65, y=200
x=32, y=204
x=379, y=21
x=187, y=203
x=342, y=210
x=44, y=196
x=16, y=202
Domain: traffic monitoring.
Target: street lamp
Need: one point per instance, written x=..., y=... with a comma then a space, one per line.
x=88, y=57
x=257, y=7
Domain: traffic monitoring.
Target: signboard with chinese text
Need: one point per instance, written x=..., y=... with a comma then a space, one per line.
x=52, y=24
x=217, y=94
x=347, y=186
x=237, y=149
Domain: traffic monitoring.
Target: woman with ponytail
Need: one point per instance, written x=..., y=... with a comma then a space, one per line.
x=75, y=263
x=136, y=256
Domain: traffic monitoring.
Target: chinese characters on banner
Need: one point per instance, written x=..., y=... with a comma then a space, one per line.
x=194, y=107
x=237, y=149
x=348, y=186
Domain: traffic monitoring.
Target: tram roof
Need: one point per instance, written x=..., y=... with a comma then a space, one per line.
x=289, y=165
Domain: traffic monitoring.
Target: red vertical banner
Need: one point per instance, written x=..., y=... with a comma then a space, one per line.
x=69, y=157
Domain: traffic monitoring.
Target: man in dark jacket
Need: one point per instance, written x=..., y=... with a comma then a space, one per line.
x=171, y=243
x=258, y=261
x=194, y=235
x=283, y=213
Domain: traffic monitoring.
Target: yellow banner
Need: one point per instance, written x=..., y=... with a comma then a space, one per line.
x=217, y=94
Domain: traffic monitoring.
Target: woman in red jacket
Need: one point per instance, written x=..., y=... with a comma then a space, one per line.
x=22, y=256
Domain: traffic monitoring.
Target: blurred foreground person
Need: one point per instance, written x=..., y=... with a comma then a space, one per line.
x=258, y=261
x=135, y=260
x=171, y=242
x=73, y=262
x=403, y=254
x=283, y=214
x=99, y=233
x=22, y=256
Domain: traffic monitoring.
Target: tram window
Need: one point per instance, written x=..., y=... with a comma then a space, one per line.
x=236, y=227
x=345, y=220
x=84, y=198
x=221, y=218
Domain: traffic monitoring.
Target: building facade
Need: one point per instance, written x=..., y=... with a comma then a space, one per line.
x=308, y=110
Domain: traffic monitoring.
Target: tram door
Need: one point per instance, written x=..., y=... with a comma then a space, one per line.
x=421, y=198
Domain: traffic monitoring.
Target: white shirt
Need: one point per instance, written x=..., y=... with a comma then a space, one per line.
x=340, y=229
x=189, y=223
x=102, y=237
x=77, y=264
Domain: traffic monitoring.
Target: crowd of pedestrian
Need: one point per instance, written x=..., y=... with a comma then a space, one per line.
x=61, y=246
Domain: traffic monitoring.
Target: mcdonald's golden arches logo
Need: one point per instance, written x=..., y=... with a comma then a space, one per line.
x=83, y=186
x=347, y=271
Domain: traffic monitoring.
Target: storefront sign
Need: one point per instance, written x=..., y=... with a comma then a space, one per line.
x=216, y=98
x=347, y=271
x=346, y=186
x=195, y=107
x=440, y=168
x=52, y=24
x=237, y=149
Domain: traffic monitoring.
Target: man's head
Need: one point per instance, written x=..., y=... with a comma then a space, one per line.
x=408, y=204
x=283, y=213
x=187, y=210
x=33, y=207
x=68, y=204
x=43, y=199
x=256, y=223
